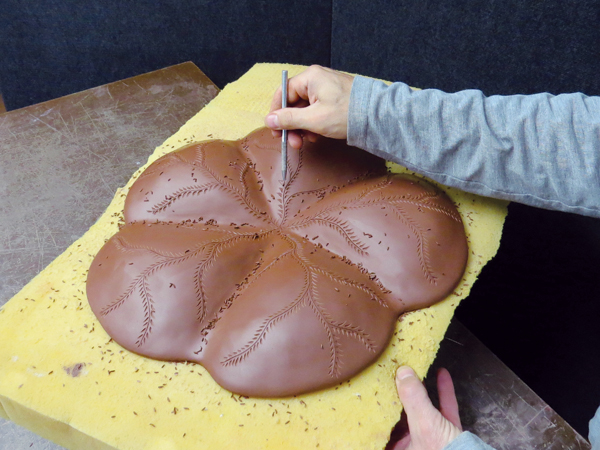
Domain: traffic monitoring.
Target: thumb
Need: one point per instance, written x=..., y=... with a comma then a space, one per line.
x=292, y=119
x=428, y=428
x=414, y=397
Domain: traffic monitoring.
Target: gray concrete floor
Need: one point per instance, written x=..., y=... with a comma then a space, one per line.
x=15, y=437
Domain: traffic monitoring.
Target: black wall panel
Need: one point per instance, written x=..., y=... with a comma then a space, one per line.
x=500, y=47
x=50, y=48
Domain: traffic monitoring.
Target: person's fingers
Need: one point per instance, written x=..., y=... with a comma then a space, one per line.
x=297, y=90
x=295, y=119
x=272, y=121
x=429, y=429
x=295, y=139
x=400, y=436
x=298, y=86
x=312, y=137
x=414, y=398
x=276, y=100
x=447, y=396
x=318, y=100
x=293, y=100
x=304, y=85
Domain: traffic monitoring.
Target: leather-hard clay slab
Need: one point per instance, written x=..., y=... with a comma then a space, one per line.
x=277, y=289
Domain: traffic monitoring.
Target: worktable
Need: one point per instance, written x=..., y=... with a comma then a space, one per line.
x=60, y=164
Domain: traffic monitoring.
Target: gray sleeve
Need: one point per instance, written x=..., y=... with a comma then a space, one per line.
x=595, y=431
x=467, y=441
x=541, y=150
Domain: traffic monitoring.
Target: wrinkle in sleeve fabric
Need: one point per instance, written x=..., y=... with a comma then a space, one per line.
x=541, y=150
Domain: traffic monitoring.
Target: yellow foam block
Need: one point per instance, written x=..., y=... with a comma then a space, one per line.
x=63, y=377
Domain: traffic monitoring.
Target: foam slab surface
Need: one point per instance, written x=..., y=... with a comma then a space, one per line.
x=63, y=377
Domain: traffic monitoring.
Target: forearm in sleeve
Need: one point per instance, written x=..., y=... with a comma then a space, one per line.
x=541, y=150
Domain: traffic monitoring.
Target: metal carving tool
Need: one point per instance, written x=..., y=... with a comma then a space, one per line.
x=284, y=83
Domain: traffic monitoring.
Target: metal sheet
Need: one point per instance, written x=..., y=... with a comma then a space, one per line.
x=61, y=161
x=494, y=403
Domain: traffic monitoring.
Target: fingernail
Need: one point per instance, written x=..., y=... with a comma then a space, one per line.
x=273, y=121
x=404, y=372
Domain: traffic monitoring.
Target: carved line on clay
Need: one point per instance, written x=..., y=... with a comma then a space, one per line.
x=318, y=192
x=436, y=208
x=199, y=283
x=177, y=154
x=148, y=313
x=296, y=172
x=261, y=333
x=342, y=204
x=165, y=262
x=422, y=200
x=334, y=342
x=124, y=246
x=334, y=328
x=258, y=274
x=169, y=160
x=342, y=228
x=227, y=187
x=120, y=300
x=422, y=244
x=259, y=336
x=217, y=248
x=362, y=177
x=242, y=179
x=344, y=281
x=321, y=193
x=214, y=248
x=355, y=332
x=309, y=296
x=284, y=190
x=375, y=188
x=182, y=193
